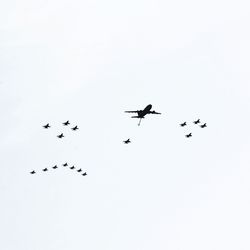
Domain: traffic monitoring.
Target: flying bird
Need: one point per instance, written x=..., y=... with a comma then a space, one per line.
x=75, y=128
x=66, y=123
x=127, y=141
x=45, y=169
x=183, y=124
x=55, y=167
x=79, y=170
x=84, y=174
x=65, y=164
x=72, y=167
x=203, y=125
x=189, y=135
x=33, y=172
x=197, y=121
x=60, y=136
x=46, y=126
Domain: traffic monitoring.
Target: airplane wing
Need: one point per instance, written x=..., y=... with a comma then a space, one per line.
x=153, y=112
x=133, y=111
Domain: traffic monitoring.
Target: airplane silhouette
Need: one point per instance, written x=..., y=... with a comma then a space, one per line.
x=84, y=174
x=45, y=169
x=60, y=136
x=203, y=125
x=66, y=123
x=55, y=167
x=33, y=172
x=196, y=122
x=65, y=164
x=46, y=126
x=79, y=170
x=75, y=128
x=72, y=167
x=141, y=113
x=127, y=141
x=183, y=124
x=189, y=135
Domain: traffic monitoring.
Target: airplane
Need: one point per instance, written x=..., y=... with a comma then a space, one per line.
x=204, y=125
x=183, y=124
x=72, y=167
x=33, y=172
x=75, y=128
x=127, y=141
x=84, y=174
x=65, y=164
x=46, y=126
x=79, y=170
x=196, y=122
x=60, y=136
x=45, y=169
x=189, y=135
x=55, y=167
x=141, y=113
x=66, y=123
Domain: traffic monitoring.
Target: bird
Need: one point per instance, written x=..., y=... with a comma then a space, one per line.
x=72, y=167
x=60, y=136
x=55, y=167
x=127, y=141
x=203, y=125
x=46, y=126
x=189, y=135
x=84, y=174
x=45, y=169
x=33, y=172
x=197, y=121
x=183, y=124
x=65, y=164
x=66, y=123
x=75, y=128
x=79, y=170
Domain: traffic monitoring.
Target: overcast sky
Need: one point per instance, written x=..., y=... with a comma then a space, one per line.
x=88, y=62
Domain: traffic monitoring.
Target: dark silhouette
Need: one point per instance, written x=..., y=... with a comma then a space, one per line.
x=141, y=113
x=60, y=136
x=75, y=128
x=127, y=141
x=183, y=124
x=84, y=174
x=197, y=121
x=45, y=169
x=72, y=167
x=55, y=167
x=33, y=172
x=79, y=170
x=46, y=126
x=189, y=135
x=65, y=164
x=203, y=125
x=66, y=123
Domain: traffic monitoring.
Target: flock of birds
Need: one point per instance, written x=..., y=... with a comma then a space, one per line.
x=197, y=122
x=67, y=123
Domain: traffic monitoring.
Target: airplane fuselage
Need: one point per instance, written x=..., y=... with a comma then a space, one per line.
x=145, y=111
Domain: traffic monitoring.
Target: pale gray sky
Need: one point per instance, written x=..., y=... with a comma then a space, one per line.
x=88, y=61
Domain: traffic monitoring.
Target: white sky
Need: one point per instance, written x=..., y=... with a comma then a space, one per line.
x=88, y=61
